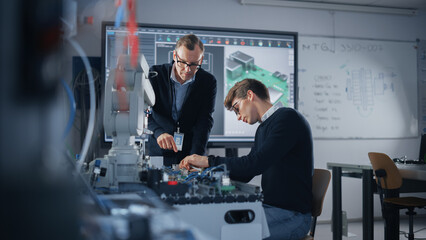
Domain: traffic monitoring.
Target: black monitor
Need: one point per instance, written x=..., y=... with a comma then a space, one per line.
x=230, y=55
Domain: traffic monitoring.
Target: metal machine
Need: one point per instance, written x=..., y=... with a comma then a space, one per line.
x=128, y=99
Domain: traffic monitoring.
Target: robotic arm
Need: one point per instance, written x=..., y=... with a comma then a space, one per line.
x=128, y=95
x=128, y=98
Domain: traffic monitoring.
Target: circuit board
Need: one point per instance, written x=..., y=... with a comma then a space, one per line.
x=240, y=66
x=278, y=88
x=210, y=185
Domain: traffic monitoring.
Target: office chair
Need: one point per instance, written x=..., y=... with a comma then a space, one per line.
x=388, y=179
x=320, y=182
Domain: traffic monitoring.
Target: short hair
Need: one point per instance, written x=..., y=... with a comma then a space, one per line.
x=189, y=41
x=239, y=90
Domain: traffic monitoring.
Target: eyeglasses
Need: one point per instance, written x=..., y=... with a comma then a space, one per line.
x=182, y=64
x=236, y=109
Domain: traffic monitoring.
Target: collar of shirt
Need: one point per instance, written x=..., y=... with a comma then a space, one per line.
x=173, y=76
x=271, y=111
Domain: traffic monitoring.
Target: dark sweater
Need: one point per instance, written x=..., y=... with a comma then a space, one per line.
x=195, y=120
x=283, y=154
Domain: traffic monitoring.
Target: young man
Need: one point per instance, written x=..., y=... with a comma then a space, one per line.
x=282, y=153
x=185, y=96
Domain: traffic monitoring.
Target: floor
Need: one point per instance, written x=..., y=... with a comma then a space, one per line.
x=323, y=230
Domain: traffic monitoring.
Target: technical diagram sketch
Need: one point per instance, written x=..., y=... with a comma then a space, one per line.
x=362, y=89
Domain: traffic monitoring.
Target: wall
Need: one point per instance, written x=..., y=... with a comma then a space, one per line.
x=231, y=14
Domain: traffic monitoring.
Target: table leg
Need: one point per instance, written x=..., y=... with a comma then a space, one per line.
x=337, y=203
x=367, y=205
x=391, y=216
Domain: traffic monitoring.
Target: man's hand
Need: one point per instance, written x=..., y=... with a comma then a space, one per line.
x=166, y=141
x=194, y=160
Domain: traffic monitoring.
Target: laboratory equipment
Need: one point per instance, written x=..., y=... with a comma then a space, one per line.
x=127, y=104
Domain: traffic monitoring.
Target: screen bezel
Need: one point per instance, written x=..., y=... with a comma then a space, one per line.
x=215, y=141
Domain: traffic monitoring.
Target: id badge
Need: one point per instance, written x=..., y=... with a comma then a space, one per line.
x=178, y=137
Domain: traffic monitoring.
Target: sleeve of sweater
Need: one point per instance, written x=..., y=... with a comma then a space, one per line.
x=281, y=136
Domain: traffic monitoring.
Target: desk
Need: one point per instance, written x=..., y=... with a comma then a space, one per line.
x=410, y=174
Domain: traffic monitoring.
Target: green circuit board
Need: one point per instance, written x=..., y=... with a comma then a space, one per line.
x=276, y=83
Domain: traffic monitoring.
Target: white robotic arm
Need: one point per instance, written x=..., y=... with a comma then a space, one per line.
x=127, y=101
x=148, y=91
x=128, y=94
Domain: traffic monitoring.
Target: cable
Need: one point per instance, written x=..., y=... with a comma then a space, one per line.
x=99, y=203
x=421, y=229
x=406, y=233
x=91, y=124
x=78, y=86
x=72, y=109
x=70, y=151
x=221, y=166
x=120, y=15
x=89, y=132
x=191, y=176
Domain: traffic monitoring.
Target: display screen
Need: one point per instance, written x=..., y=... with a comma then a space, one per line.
x=231, y=55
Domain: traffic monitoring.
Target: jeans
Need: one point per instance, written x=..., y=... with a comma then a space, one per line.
x=286, y=224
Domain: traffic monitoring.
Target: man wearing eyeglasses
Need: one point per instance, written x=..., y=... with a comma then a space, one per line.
x=282, y=153
x=182, y=115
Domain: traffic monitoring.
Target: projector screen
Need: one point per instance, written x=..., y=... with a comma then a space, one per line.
x=231, y=55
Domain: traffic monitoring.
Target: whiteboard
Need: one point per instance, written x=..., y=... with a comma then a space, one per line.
x=352, y=88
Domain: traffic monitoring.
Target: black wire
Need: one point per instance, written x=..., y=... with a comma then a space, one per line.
x=421, y=229
x=406, y=234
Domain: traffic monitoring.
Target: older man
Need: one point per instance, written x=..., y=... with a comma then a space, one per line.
x=182, y=115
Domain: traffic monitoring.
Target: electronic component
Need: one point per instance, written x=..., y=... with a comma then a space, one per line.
x=210, y=185
x=245, y=60
x=233, y=69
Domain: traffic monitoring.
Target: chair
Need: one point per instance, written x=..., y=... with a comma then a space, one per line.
x=320, y=182
x=388, y=179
